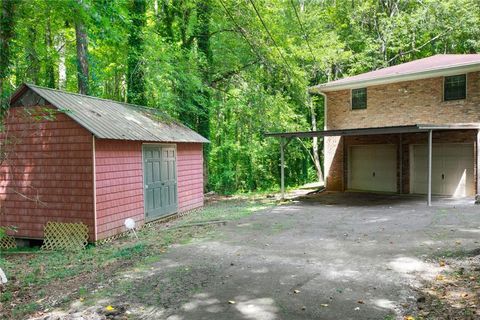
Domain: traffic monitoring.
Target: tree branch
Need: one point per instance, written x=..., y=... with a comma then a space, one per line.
x=233, y=72
x=418, y=48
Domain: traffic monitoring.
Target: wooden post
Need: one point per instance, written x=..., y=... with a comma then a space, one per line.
x=429, y=199
x=400, y=189
x=282, y=168
x=477, y=196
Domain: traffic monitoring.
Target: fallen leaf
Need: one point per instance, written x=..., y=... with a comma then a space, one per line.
x=439, y=277
x=231, y=302
x=409, y=318
x=109, y=308
x=296, y=291
x=304, y=308
x=442, y=263
x=360, y=301
x=324, y=305
x=357, y=309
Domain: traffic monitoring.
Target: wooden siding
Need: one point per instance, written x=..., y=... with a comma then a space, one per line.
x=190, y=176
x=49, y=172
x=119, y=185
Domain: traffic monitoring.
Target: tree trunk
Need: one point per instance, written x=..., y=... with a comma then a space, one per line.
x=33, y=67
x=316, y=157
x=164, y=19
x=7, y=23
x=49, y=67
x=136, y=47
x=82, y=51
x=204, y=12
x=60, y=46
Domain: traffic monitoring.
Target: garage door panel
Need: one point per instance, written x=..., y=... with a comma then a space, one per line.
x=373, y=168
x=420, y=170
x=452, y=169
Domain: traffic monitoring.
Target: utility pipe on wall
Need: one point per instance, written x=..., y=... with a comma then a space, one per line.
x=282, y=168
x=429, y=200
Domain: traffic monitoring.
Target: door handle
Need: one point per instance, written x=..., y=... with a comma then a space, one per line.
x=373, y=174
x=443, y=176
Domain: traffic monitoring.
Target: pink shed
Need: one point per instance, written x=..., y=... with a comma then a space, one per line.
x=94, y=164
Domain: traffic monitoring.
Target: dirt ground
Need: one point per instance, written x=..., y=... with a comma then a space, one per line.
x=332, y=256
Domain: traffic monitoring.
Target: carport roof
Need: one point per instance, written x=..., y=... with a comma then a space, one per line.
x=375, y=130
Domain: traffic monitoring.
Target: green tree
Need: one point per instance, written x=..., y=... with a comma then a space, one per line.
x=136, y=45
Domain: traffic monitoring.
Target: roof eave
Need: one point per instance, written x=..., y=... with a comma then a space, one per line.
x=413, y=128
x=464, y=68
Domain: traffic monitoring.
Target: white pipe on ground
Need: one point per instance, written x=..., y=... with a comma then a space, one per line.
x=3, y=277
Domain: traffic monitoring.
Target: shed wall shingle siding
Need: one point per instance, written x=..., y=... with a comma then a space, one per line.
x=49, y=160
x=405, y=103
x=190, y=176
x=120, y=182
x=119, y=185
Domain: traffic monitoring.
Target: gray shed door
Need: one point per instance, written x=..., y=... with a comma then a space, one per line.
x=160, y=181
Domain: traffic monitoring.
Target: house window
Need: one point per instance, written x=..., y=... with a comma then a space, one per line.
x=359, y=98
x=455, y=87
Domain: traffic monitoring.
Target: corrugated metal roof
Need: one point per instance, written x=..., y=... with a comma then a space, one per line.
x=435, y=64
x=108, y=119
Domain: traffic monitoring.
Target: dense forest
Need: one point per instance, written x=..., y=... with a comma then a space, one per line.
x=232, y=70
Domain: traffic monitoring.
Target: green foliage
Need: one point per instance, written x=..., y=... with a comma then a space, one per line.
x=229, y=71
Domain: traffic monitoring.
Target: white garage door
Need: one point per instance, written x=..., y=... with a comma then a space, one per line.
x=373, y=168
x=452, y=169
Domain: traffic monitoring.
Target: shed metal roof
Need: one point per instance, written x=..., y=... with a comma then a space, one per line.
x=108, y=119
x=437, y=65
x=375, y=130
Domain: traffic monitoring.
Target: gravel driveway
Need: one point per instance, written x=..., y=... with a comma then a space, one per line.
x=336, y=256
x=332, y=256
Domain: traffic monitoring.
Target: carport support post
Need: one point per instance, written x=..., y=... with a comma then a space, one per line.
x=429, y=201
x=282, y=167
x=477, y=196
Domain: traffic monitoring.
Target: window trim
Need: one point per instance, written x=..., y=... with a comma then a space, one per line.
x=351, y=99
x=466, y=87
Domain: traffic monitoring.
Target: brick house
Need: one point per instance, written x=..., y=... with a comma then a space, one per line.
x=410, y=128
x=75, y=158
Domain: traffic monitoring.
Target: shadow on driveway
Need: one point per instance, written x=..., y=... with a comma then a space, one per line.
x=332, y=256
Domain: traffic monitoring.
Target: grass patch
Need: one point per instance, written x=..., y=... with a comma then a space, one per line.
x=24, y=309
x=232, y=209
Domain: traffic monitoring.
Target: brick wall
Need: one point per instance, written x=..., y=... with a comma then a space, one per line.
x=337, y=172
x=119, y=185
x=48, y=175
x=190, y=176
x=334, y=159
x=404, y=103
